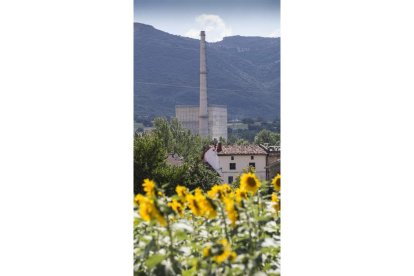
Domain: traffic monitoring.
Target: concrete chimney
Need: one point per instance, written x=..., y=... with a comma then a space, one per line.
x=203, y=111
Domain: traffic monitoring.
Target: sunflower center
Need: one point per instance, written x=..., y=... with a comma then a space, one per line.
x=251, y=182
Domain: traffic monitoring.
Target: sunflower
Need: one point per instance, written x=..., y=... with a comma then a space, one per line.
x=207, y=251
x=159, y=217
x=148, y=210
x=275, y=202
x=214, y=191
x=181, y=191
x=149, y=187
x=276, y=182
x=231, y=211
x=249, y=182
x=177, y=207
x=145, y=207
x=220, y=191
x=139, y=198
x=224, y=252
x=241, y=194
x=198, y=193
x=232, y=256
x=194, y=205
x=226, y=190
x=220, y=252
x=207, y=206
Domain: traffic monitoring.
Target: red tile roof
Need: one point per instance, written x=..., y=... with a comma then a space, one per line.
x=242, y=150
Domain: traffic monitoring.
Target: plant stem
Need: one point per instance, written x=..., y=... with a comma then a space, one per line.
x=259, y=202
x=224, y=222
x=171, y=248
x=250, y=231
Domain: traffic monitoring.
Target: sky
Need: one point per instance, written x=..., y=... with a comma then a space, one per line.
x=219, y=18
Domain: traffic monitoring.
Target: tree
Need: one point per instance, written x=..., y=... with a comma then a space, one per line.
x=241, y=142
x=149, y=154
x=151, y=151
x=199, y=175
x=266, y=136
x=178, y=140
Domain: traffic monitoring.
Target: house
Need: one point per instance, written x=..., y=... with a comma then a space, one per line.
x=230, y=160
x=272, y=160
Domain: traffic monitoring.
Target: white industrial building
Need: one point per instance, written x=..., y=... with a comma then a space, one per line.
x=230, y=160
x=205, y=120
x=188, y=116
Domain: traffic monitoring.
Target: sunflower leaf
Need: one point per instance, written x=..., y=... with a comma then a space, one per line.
x=155, y=259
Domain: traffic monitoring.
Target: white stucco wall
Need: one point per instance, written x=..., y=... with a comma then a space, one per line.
x=242, y=162
x=211, y=157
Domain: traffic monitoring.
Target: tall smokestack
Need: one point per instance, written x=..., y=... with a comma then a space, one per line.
x=203, y=112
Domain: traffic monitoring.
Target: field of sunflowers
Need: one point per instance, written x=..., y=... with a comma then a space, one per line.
x=227, y=230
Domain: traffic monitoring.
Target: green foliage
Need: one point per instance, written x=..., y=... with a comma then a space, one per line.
x=266, y=136
x=155, y=259
x=178, y=140
x=151, y=150
x=169, y=174
x=198, y=175
x=149, y=155
x=249, y=133
x=234, y=136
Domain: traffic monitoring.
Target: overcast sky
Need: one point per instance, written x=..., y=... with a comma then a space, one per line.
x=218, y=18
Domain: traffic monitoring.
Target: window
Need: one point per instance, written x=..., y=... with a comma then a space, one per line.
x=232, y=158
x=232, y=166
x=252, y=165
x=230, y=179
x=251, y=157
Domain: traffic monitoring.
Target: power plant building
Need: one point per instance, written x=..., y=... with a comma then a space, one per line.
x=188, y=116
x=205, y=120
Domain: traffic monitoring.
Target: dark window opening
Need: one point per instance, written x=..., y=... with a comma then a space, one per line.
x=230, y=179
x=232, y=166
x=252, y=165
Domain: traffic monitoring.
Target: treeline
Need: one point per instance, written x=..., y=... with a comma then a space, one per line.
x=152, y=149
x=243, y=137
x=251, y=128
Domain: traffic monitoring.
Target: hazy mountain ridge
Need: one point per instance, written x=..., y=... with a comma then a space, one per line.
x=243, y=73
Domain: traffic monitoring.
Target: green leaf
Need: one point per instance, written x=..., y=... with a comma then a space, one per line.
x=180, y=235
x=154, y=260
x=188, y=272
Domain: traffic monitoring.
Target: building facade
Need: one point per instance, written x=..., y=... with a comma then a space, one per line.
x=272, y=160
x=230, y=160
x=188, y=116
x=217, y=121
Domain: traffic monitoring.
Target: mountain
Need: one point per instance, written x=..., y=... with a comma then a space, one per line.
x=243, y=73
